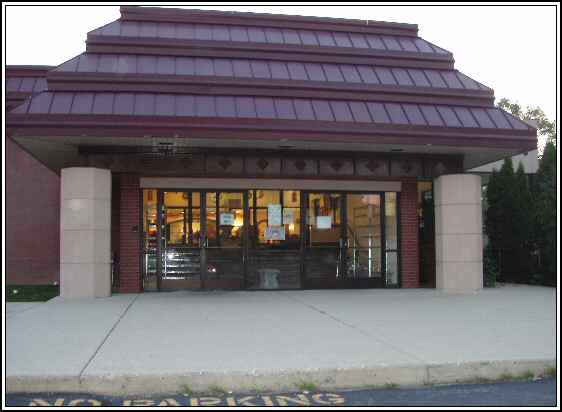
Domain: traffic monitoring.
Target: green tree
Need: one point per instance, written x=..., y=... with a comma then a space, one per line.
x=522, y=224
x=545, y=127
x=497, y=220
x=508, y=222
x=544, y=216
x=539, y=217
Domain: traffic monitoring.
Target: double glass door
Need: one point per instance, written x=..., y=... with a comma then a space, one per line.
x=343, y=242
x=269, y=239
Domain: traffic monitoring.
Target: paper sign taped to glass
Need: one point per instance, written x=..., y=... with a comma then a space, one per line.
x=274, y=214
x=275, y=233
x=323, y=222
x=227, y=219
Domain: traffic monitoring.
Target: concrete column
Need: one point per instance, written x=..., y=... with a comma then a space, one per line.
x=458, y=233
x=85, y=233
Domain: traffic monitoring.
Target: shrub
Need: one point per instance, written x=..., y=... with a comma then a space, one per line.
x=490, y=268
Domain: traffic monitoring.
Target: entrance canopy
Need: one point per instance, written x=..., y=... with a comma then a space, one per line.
x=197, y=79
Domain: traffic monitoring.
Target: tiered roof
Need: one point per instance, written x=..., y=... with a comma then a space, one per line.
x=24, y=81
x=197, y=73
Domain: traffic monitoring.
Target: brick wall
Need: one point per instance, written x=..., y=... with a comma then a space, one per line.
x=32, y=219
x=129, y=234
x=409, y=234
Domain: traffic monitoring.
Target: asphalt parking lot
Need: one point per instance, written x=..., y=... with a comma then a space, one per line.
x=524, y=393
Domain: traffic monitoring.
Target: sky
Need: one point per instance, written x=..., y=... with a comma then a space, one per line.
x=511, y=49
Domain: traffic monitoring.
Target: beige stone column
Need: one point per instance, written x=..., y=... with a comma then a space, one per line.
x=85, y=232
x=458, y=233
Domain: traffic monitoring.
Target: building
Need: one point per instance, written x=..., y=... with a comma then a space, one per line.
x=201, y=149
x=529, y=160
x=32, y=196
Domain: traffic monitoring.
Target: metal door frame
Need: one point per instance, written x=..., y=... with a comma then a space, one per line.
x=304, y=200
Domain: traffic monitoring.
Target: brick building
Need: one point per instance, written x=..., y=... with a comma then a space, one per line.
x=32, y=196
x=201, y=149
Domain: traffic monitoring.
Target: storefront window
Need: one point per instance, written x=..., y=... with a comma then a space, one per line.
x=426, y=236
x=391, y=237
x=275, y=218
x=345, y=236
x=274, y=247
x=324, y=219
x=364, y=236
x=225, y=219
x=149, y=225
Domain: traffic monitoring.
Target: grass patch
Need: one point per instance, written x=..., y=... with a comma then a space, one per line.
x=391, y=385
x=307, y=386
x=31, y=293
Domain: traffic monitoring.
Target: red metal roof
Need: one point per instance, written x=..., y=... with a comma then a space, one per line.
x=250, y=107
x=268, y=69
x=269, y=35
x=245, y=69
x=24, y=81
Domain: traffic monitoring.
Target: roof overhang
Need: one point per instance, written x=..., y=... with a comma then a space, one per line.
x=58, y=140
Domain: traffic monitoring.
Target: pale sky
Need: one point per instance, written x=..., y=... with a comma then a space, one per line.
x=509, y=48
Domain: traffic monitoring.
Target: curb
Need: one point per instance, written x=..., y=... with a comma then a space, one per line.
x=323, y=379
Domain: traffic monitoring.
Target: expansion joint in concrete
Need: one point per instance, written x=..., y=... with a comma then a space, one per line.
x=106, y=337
x=363, y=332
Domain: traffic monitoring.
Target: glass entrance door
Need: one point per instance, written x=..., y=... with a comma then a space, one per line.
x=274, y=240
x=180, y=240
x=225, y=240
x=269, y=239
x=324, y=261
x=363, y=240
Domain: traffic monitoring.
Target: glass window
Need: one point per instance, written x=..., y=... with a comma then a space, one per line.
x=323, y=219
x=364, y=235
x=391, y=237
x=391, y=221
x=175, y=199
x=225, y=224
x=150, y=229
x=426, y=238
x=267, y=197
x=287, y=210
x=291, y=198
x=211, y=199
x=392, y=268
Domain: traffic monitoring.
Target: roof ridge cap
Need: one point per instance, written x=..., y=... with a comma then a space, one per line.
x=230, y=17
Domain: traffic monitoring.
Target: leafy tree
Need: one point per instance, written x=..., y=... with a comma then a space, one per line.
x=545, y=127
x=522, y=224
x=499, y=194
x=544, y=216
x=533, y=227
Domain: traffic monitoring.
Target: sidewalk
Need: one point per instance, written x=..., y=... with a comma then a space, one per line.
x=163, y=342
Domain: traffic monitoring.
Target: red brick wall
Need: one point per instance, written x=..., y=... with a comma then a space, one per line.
x=32, y=219
x=129, y=234
x=409, y=234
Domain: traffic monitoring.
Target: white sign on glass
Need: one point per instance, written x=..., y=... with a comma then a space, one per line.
x=227, y=219
x=274, y=214
x=323, y=222
x=275, y=233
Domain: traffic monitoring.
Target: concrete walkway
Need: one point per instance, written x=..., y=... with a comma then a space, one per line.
x=163, y=342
